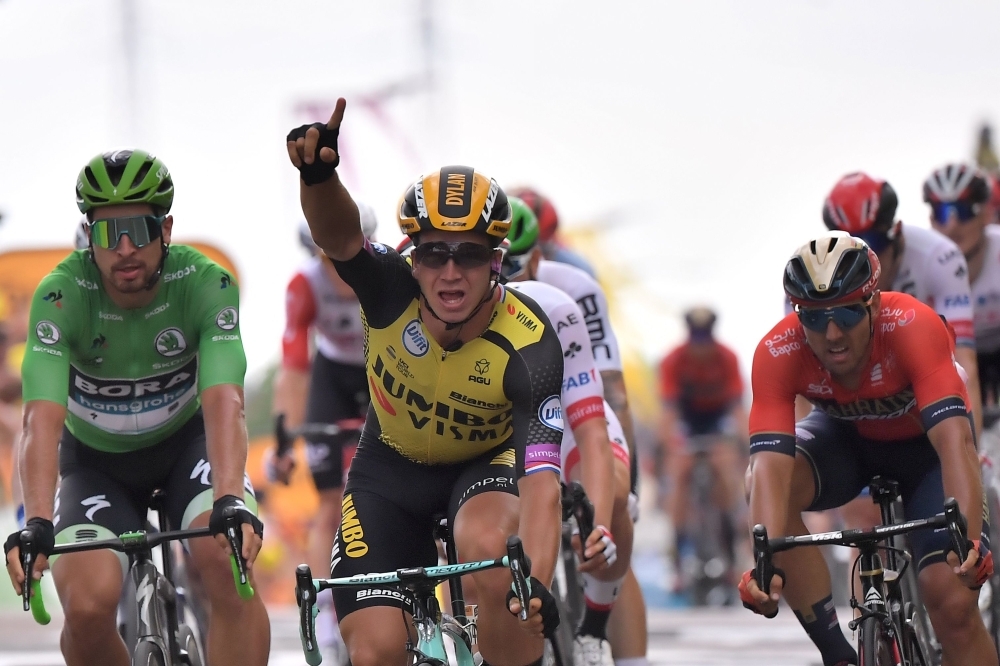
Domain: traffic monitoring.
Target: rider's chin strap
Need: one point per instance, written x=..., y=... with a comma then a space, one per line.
x=155, y=277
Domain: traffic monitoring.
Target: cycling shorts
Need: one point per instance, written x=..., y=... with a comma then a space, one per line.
x=389, y=510
x=337, y=391
x=101, y=495
x=843, y=463
x=694, y=424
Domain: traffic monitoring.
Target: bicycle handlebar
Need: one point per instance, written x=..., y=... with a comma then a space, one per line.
x=307, y=588
x=31, y=594
x=951, y=518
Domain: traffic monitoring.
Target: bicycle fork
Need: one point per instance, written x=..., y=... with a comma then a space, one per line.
x=877, y=601
x=154, y=596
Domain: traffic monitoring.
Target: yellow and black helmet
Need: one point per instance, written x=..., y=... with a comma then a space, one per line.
x=455, y=198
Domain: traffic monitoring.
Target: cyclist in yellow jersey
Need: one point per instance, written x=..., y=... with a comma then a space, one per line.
x=465, y=418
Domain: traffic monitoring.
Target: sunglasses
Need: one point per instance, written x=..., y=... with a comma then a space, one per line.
x=465, y=255
x=844, y=316
x=513, y=266
x=141, y=230
x=964, y=211
x=875, y=240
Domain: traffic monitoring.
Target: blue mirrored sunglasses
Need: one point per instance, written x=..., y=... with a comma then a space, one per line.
x=845, y=317
x=962, y=210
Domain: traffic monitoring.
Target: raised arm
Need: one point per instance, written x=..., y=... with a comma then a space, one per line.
x=331, y=213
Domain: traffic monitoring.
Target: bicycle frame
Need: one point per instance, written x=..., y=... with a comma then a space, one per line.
x=882, y=598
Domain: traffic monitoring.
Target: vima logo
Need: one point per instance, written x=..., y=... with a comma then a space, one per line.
x=227, y=319
x=550, y=413
x=170, y=342
x=414, y=340
x=47, y=332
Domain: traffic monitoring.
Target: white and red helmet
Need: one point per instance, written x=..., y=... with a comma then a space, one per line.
x=834, y=269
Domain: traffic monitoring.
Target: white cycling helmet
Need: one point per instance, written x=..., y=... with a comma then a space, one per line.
x=369, y=224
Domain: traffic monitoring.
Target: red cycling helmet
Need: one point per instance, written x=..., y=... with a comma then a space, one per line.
x=548, y=219
x=864, y=207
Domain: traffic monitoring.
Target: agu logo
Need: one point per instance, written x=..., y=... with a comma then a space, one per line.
x=550, y=413
x=47, y=332
x=414, y=340
x=227, y=319
x=170, y=342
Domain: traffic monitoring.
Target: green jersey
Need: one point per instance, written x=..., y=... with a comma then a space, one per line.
x=131, y=378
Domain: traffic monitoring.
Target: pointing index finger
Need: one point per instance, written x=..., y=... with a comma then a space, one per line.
x=338, y=114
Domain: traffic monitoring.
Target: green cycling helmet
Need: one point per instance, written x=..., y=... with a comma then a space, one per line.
x=122, y=177
x=523, y=234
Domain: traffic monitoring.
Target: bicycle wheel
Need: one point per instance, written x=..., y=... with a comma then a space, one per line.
x=875, y=647
x=148, y=653
x=565, y=632
x=914, y=654
x=186, y=642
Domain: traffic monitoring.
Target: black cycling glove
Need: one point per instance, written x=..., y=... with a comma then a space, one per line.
x=319, y=171
x=217, y=523
x=43, y=538
x=549, y=611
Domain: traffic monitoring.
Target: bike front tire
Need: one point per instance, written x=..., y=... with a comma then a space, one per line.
x=875, y=647
x=187, y=642
x=148, y=653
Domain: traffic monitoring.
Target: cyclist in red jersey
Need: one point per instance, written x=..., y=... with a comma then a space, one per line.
x=881, y=374
x=702, y=393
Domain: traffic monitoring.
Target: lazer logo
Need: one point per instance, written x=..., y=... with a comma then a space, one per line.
x=418, y=195
x=491, y=199
x=96, y=503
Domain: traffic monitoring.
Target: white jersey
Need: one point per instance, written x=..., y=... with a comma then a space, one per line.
x=934, y=272
x=986, y=295
x=582, y=389
x=590, y=297
x=335, y=319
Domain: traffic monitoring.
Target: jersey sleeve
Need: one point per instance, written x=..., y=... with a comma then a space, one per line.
x=300, y=312
x=602, y=336
x=217, y=315
x=582, y=387
x=382, y=281
x=55, y=306
x=534, y=386
x=924, y=348
x=952, y=297
x=773, y=382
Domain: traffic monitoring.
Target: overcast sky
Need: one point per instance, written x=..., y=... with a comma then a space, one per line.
x=700, y=137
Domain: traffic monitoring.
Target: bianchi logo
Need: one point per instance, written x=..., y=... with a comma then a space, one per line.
x=47, y=332
x=227, y=319
x=170, y=342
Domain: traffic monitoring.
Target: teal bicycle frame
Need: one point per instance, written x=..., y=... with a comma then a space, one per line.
x=419, y=584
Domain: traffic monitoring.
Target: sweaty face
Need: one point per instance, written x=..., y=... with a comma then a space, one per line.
x=126, y=268
x=452, y=291
x=966, y=235
x=841, y=351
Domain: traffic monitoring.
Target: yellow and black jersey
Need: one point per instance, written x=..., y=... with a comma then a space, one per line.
x=440, y=407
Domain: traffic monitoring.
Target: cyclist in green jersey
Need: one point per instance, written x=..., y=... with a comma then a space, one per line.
x=133, y=381
x=465, y=419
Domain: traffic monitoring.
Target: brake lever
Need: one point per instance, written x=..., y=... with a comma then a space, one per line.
x=957, y=529
x=234, y=535
x=763, y=569
x=305, y=597
x=520, y=571
x=27, y=566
